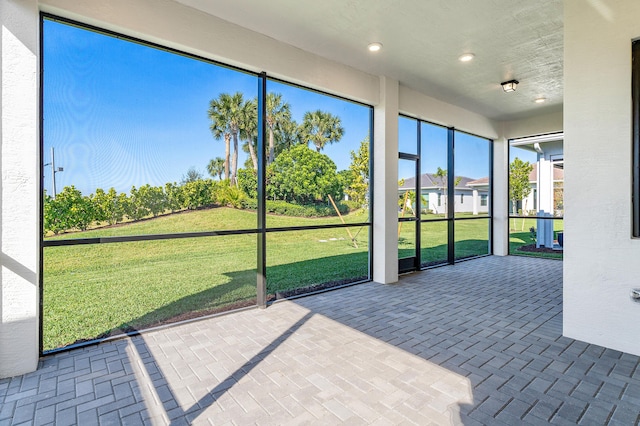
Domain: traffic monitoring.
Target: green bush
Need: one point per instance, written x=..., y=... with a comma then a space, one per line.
x=304, y=176
x=229, y=195
x=153, y=199
x=298, y=210
x=350, y=205
x=136, y=208
x=198, y=193
x=109, y=206
x=248, y=182
x=68, y=210
x=54, y=216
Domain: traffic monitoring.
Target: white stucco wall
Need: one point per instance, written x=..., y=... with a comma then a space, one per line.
x=601, y=259
x=19, y=187
x=549, y=121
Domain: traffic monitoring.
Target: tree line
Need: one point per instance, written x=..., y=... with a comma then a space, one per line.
x=299, y=179
x=234, y=119
x=70, y=210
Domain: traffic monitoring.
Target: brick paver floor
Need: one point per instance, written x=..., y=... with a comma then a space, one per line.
x=475, y=343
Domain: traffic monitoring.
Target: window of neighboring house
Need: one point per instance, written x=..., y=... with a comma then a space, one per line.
x=483, y=200
x=535, y=199
x=439, y=200
x=461, y=198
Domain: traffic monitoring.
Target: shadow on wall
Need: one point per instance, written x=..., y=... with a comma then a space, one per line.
x=15, y=344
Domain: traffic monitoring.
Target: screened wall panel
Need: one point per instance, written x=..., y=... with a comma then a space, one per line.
x=311, y=260
x=471, y=238
x=472, y=176
x=434, y=166
x=449, y=195
x=433, y=241
x=164, y=185
x=108, y=289
x=317, y=158
x=132, y=133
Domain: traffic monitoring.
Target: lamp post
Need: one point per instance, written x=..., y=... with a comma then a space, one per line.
x=54, y=171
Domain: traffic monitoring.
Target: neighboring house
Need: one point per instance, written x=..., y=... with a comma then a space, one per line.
x=468, y=197
x=530, y=203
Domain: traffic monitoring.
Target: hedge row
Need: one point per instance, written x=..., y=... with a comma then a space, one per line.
x=70, y=210
x=289, y=209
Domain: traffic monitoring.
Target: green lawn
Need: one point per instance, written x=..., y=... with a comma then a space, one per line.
x=519, y=235
x=471, y=239
x=94, y=290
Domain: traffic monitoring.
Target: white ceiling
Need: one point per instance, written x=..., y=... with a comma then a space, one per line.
x=512, y=39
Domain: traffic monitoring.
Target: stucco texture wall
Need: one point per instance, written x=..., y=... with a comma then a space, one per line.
x=18, y=187
x=601, y=259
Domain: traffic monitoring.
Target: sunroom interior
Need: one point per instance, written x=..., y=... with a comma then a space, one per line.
x=572, y=62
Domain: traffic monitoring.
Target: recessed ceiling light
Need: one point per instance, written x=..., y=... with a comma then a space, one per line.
x=375, y=47
x=540, y=100
x=466, y=57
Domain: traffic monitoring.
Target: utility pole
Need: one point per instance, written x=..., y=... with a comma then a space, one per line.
x=54, y=171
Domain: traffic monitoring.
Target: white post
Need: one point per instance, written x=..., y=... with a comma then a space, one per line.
x=20, y=171
x=545, y=203
x=385, y=184
x=433, y=202
x=476, y=202
x=500, y=195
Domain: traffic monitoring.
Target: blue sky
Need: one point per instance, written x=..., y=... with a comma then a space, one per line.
x=471, y=152
x=120, y=114
x=523, y=154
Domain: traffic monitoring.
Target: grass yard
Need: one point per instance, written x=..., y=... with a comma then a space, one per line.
x=519, y=235
x=98, y=290
x=471, y=239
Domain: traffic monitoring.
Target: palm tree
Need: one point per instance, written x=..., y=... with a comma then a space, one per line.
x=287, y=136
x=249, y=130
x=216, y=167
x=219, y=126
x=321, y=128
x=226, y=117
x=277, y=113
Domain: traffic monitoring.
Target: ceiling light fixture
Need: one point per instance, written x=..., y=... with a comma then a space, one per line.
x=509, y=86
x=540, y=100
x=375, y=47
x=466, y=57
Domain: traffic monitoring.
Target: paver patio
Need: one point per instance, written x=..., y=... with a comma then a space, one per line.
x=475, y=343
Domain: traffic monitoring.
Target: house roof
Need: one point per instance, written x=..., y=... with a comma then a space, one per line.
x=431, y=181
x=479, y=182
x=558, y=175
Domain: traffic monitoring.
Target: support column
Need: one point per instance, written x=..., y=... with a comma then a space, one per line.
x=20, y=170
x=545, y=203
x=500, y=197
x=385, y=184
x=476, y=202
